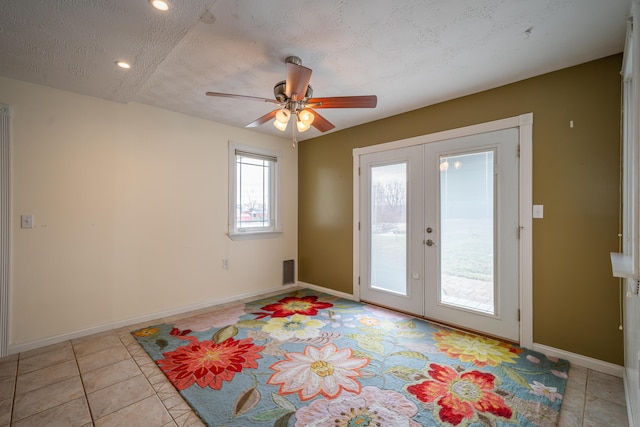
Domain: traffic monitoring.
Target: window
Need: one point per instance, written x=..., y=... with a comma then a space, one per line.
x=253, y=193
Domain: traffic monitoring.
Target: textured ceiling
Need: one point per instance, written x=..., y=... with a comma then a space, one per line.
x=410, y=53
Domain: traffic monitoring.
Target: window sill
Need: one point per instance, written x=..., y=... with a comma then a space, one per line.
x=255, y=235
x=622, y=266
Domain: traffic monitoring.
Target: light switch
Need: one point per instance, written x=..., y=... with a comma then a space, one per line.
x=538, y=211
x=26, y=221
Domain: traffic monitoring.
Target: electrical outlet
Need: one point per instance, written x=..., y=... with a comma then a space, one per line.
x=26, y=221
x=225, y=263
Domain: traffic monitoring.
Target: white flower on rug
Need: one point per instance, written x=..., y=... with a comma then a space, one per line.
x=327, y=371
x=540, y=389
x=296, y=326
x=216, y=318
x=372, y=407
x=335, y=319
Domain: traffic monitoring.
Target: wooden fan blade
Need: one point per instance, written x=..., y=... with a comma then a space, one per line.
x=320, y=122
x=262, y=120
x=365, y=101
x=252, y=98
x=297, y=81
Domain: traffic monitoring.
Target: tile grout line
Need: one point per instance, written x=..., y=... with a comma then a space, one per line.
x=15, y=386
x=155, y=391
x=11, y=420
x=141, y=373
x=584, y=402
x=84, y=389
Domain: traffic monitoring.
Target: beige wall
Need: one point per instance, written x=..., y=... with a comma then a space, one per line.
x=575, y=176
x=130, y=212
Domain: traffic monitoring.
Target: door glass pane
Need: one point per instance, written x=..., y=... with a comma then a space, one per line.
x=388, y=228
x=467, y=231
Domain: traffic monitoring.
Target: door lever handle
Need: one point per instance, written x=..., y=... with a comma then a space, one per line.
x=429, y=242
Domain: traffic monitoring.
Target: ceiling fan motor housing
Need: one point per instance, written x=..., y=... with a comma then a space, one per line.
x=279, y=91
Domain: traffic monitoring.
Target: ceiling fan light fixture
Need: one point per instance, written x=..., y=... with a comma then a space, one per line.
x=302, y=127
x=283, y=116
x=280, y=125
x=306, y=117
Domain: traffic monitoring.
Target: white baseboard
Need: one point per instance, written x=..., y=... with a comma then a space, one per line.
x=19, y=348
x=580, y=360
x=327, y=291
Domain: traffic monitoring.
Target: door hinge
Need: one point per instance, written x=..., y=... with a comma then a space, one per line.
x=518, y=150
x=518, y=315
x=358, y=280
x=358, y=170
x=519, y=230
x=358, y=225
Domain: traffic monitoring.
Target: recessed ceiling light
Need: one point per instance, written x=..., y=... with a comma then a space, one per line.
x=123, y=64
x=160, y=4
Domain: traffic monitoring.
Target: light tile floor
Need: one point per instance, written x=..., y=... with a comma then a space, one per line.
x=107, y=379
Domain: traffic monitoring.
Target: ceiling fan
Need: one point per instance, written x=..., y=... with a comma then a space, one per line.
x=294, y=97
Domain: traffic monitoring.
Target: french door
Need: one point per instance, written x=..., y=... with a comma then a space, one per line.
x=439, y=231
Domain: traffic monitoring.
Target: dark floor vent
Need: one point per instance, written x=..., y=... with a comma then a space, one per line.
x=288, y=272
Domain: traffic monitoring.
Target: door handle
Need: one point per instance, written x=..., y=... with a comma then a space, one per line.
x=429, y=242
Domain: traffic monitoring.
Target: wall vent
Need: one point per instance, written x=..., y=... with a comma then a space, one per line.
x=288, y=272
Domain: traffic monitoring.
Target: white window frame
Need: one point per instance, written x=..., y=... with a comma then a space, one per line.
x=274, y=229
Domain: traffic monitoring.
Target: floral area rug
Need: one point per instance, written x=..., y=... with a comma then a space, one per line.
x=309, y=359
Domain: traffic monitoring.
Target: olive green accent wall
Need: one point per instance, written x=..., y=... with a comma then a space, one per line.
x=576, y=176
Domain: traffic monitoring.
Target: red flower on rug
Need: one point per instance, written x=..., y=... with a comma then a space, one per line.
x=208, y=363
x=460, y=396
x=289, y=306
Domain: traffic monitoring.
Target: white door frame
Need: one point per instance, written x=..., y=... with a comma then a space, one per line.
x=5, y=226
x=524, y=123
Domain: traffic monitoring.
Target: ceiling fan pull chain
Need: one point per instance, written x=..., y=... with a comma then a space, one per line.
x=293, y=136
